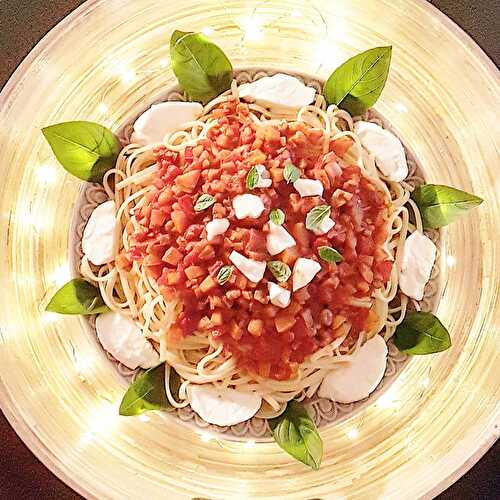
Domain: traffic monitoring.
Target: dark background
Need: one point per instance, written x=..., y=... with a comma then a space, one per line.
x=22, y=24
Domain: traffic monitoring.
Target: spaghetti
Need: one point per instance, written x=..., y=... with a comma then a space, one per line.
x=201, y=358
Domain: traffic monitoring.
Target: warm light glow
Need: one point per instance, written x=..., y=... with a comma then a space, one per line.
x=352, y=433
x=127, y=75
x=323, y=52
x=164, y=63
x=208, y=31
x=426, y=382
x=205, y=436
x=83, y=364
x=36, y=221
x=101, y=421
x=388, y=400
x=250, y=444
x=144, y=418
x=102, y=108
x=401, y=107
x=45, y=173
x=60, y=275
x=252, y=29
x=49, y=317
x=451, y=261
x=296, y=13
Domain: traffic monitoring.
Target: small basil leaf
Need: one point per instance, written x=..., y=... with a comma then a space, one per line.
x=357, y=84
x=203, y=202
x=224, y=274
x=86, y=150
x=421, y=333
x=252, y=178
x=295, y=432
x=316, y=216
x=277, y=216
x=329, y=254
x=279, y=270
x=291, y=173
x=77, y=297
x=147, y=391
x=440, y=205
x=201, y=67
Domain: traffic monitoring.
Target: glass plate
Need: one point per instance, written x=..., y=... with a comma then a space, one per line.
x=58, y=389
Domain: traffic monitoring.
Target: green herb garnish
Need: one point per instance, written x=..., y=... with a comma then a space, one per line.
x=279, y=270
x=277, y=216
x=77, y=297
x=201, y=67
x=421, y=333
x=86, y=150
x=291, y=173
x=224, y=274
x=203, y=202
x=329, y=254
x=294, y=431
x=357, y=84
x=316, y=216
x=440, y=205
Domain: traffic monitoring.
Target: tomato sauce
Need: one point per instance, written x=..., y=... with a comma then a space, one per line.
x=171, y=242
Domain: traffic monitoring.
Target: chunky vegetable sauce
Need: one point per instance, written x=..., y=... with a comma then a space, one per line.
x=171, y=243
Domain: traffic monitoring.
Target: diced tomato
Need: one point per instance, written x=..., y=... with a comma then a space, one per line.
x=341, y=145
x=167, y=238
x=180, y=220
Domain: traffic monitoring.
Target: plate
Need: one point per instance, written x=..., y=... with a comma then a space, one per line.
x=59, y=390
x=323, y=411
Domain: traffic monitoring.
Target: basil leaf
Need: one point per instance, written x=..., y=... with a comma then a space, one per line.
x=86, y=150
x=201, y=67
x=316, y=216
x=77, y=297
x=291, y=173
x=329, y=254
x=224, y=274
x=421, y=333
x=440, y=205
x=147, y=391
x=203, y=202
x=357, y=84
x=252, y=178
x=277, y=216
x=280, y=270
x=295, y=432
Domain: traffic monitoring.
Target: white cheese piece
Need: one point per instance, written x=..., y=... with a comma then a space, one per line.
x=223, y=406
x=247, y=206
x=253, y=269
x=264, y=177
x=385, y=147
x=99, y=241
x=357, y=378
x=160, y=119
x=278, y=295
x=123, y=339
x=278, y=239
x=278, y=90
x=216, y=227
x=419, y=254
x=324, y=227
x=308, y=187
x=303, y=272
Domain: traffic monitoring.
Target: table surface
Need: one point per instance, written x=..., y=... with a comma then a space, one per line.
x=21, y=474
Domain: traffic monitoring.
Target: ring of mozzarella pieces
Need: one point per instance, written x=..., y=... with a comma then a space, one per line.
x=353, y=380
x=223, y=406
x=124, y=340
x=358, y=377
